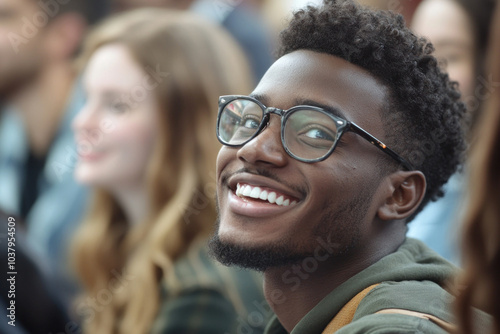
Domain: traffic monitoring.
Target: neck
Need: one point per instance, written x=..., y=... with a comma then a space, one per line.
x=41, y=104
x=135, y=204
x=292, y=291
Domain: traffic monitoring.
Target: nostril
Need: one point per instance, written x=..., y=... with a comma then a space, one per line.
x=266, y=148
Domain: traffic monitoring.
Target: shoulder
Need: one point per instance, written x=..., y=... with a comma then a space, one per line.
x=417, y=296
x=391, y=324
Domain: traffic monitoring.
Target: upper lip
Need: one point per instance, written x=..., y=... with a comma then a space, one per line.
x=88, y=153
x=262, y=181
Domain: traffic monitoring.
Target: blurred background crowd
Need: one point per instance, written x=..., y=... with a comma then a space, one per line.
x=107, y=156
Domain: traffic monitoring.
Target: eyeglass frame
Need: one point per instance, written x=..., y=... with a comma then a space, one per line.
x=346, y=126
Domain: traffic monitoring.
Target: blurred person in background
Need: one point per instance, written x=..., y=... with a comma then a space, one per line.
x=404, y=7
x=38, y=42
x=278, y=13
x=146, y=146
x=30, y=298
x=458, y=29
x=481, y=230
x=242, y=18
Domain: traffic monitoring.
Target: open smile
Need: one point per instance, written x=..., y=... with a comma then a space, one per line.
x=260, y=197
x=264, y=194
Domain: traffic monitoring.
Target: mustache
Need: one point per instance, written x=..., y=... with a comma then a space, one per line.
x=261, y=172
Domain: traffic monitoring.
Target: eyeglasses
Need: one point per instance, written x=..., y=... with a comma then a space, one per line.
x=308, y=133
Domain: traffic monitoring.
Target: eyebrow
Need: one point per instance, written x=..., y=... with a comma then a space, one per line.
x=305, y=102
x=332, y=110
x=106, y=94
x=260, y=97
x=110, y=94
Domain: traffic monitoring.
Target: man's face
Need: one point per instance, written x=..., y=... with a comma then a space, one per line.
x=332, y=199
x=20, y=43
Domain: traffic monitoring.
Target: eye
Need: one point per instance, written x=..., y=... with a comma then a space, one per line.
x=119, y=107
x=250, y=123
x=318, y=134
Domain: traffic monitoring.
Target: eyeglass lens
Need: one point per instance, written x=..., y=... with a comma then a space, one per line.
x=307, y=134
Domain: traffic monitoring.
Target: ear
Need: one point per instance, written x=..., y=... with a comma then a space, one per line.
x=64, y=36
x=404, y=194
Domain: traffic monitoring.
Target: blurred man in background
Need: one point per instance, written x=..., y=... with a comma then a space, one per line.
x=38, y=41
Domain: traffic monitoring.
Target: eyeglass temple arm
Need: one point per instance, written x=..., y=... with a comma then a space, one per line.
x=377, y=143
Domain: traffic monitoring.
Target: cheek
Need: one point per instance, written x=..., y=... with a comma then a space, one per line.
x=128, y=150
x=223, y=159
x=463, y=72
x=326, y=192
x=132, y=134
x=134, y=146
x=334, y=187
x=225, y=156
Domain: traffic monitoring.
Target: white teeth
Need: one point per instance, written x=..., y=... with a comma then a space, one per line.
x=279, y=200
x=263, y=195
x=247, y=190
x=257, y=192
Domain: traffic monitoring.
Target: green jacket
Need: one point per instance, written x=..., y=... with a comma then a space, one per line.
x=410, y=278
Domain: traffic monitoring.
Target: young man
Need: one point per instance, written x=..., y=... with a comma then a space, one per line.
x=346, y=137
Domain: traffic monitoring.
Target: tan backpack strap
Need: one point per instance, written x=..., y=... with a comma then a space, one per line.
x=346, y=314
x=441, y=323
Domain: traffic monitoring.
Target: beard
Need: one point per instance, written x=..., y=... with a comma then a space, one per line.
x=258, y=258
x=339, y=228
x=15, y=75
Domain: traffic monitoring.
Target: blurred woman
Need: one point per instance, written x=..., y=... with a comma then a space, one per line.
x=146, y=145
x=458, y=29
x=481, y=231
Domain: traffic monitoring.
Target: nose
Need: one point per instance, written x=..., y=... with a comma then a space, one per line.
x=85, y=122
x=266, y=148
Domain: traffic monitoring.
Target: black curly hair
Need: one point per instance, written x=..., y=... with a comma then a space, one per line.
x=423, y=118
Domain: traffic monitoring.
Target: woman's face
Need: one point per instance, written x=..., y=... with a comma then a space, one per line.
x=116, y=129
x=446, y=24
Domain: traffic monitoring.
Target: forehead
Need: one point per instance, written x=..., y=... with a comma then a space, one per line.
x=113, y=67
x=327, y=80
x=443, y=22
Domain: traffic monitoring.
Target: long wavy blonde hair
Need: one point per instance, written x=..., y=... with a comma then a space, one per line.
x=202, y=62
x=481, y=230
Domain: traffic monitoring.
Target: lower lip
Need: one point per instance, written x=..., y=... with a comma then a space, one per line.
x=254, y=208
